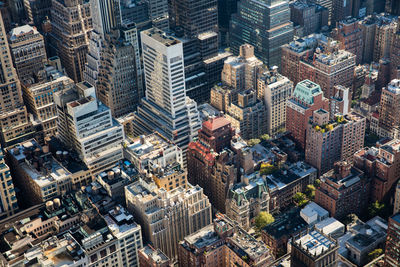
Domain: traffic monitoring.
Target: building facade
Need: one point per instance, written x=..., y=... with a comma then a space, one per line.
x=166, y=108
x=14, y=121
x=307, y=97
x=338, y=140
x=28, y=53
x=167, y=217
x=86, y=125
x=71, y=24
x=266, y=32
x=343, y=191
x=392, y=255
x=275, y=90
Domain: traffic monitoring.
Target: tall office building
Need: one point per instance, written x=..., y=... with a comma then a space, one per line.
x=117, y=80
x=389, y=119
x=167, y=217
x=309, y=16
x=264, y=24
x=71, y=24
x=328, y=141
x=349, y=34
x=307, y=98
x=194, y=17
x=274, y=89
x=8, y=199
x=37, y=11
x=86, y=125
x=166, y=108
x=28, y=52
x=14, y=121
x=392, y=251
x=225, y=10
x=395, y=54
x=327, y=4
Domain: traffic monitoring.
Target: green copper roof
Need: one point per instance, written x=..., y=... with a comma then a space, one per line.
x=306, y=91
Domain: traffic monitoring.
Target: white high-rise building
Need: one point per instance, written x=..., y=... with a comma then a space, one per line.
x=166, y=108
x=86, y=125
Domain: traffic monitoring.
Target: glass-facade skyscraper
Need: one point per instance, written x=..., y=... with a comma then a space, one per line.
x=265, y=24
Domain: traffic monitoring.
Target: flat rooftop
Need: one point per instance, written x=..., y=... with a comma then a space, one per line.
x=315, y=243
x=161, y=37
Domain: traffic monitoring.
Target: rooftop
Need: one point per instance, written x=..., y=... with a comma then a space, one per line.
x=161, y=36
x=22, y=30
x=150, y=147
x=215, y=123
x=315, y=243
x=155, y=254
x=369, y=233
x=306, y=90
x=394, y=86
x=286, y=224
x=39, y=163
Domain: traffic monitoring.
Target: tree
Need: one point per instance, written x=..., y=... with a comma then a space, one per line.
x=376, y=208
x=263, y=219
x=253, y=142
x=300, y=199
x=310, y=191
x=265, y=137
x=317, y=182
x=267, y=168
x=374, y=254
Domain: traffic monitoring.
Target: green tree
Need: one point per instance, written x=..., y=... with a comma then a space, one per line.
x=300, y=199
x=253, y=142
x=265, y=137
x=374, y=254
x=267, y=168
x=376, y=208
x=263, y=219
x=310, y=191
x=317, y=183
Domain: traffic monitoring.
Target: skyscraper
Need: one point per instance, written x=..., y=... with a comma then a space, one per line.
x=166, y=108
x=14, y=122
x=194, y=17
x=28, y=52
x=117, y=80
x=264, y=24
x=71, y=24
x=327, y=4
